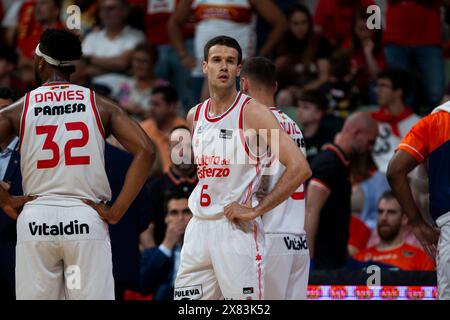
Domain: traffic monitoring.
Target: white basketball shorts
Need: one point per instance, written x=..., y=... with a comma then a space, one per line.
x=220, y=260
x=63, y=253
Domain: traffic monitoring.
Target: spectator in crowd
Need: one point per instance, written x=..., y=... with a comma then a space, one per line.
x=162, y=119
x=8, y=64
x=302, y=56
x=333, y=18
x=88, y=18
x=234, y=19
x=329, y=190
x=10, y=22
x=11, y=180
x=392, y=250
x=341, y=87
x=169, y=65
x=35, y=18
x=181, y=179
x=125, y=234
x=133, y=93
x=413, y=42
x=160, y=264
x=367, y=57
x=394, y=117
x=107, y=52
x=311, y=111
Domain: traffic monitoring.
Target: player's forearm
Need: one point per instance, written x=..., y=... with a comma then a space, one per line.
x=5, y=197
x=274, y=37
x=400, y=187
x=136, y=176
x=176, y=37
x=292, y=178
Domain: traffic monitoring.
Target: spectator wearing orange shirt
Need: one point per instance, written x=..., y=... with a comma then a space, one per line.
x=163, y=118
x=392, y=249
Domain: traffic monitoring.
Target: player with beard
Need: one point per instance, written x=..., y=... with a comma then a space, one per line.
x=392, y=250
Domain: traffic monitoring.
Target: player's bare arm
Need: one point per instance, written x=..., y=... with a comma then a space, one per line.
x=174, y=26
x=275, y=17
x=190, y=118
x=316, y=197
x=10, y=123
x=135, y=141
x=259, y=117
x=400, y=165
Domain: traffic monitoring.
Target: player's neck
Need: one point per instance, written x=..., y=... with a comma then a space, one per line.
x=221, y=100
x=265, y=99
x=396, y=107
x=56, y=77
x=384, y=245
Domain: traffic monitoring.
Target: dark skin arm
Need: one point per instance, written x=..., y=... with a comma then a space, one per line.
x=10, y=123
x=133, y=138
x=399, y=167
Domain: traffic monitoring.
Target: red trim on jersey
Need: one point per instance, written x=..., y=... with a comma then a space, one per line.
x=223, y=114
x=24, y=115
x=97, y=115
x=241, y=129
x=338, y=152
x=258, y=259
x=196, y=116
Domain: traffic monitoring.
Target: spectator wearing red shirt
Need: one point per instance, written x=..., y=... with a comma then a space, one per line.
x=34, y=18
x=413, y=42
x=333, y=18
x=392, y=250
x=169, y=65
x=367, y=57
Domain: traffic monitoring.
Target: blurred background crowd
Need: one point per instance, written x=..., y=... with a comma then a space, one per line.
x=333, y=57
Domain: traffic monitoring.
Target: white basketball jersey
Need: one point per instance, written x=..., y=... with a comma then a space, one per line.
x=226, y=171
x=288, y=216
x=62, y=145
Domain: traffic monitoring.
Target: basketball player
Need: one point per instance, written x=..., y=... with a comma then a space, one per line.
x=223, y=250
x=63, y=248
x=287, y=255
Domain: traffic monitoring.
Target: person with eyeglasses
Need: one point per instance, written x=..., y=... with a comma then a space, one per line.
x=159, y=265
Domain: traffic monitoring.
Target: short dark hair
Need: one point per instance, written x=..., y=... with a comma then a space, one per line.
x=400, y=79
x=387, y=195
x=222, y=41
x=261, y=70
x=169, y=93
x=174, y=195
x=317, y=97
x=9, y=54
x=149, y=49
x=6, y=93
x=61, y=44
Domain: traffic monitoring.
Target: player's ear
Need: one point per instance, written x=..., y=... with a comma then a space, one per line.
x=239, y=68
x=205, y=67
x=41, y=64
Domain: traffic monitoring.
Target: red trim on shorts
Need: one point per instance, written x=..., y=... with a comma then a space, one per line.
x=97, y=115
x=223, y=114
x=320, y=182
x=24, y=115
x=258, y=259
x=241, y=129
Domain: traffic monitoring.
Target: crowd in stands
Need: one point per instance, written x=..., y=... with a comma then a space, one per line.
x=331, y=62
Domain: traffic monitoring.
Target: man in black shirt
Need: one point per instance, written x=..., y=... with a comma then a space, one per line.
x=329, y=190
x=181, y=179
